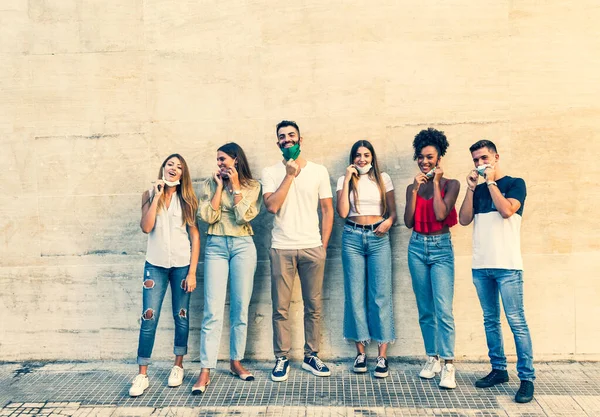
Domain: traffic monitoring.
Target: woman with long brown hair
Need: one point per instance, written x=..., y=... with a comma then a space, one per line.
x=228, y=201
x=169, y=219
x=365, y=198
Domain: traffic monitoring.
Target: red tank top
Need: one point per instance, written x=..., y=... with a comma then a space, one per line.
x=425, y=221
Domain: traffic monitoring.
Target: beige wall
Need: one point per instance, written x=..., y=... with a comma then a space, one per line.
x=95, y=93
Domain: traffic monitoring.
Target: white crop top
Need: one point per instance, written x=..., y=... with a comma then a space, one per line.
x=368, y=195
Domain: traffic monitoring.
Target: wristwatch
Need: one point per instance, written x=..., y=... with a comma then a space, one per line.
x=237, y=192
x=491, y=183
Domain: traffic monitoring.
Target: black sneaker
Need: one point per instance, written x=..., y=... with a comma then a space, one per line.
x=493, y=378
x=525, y=392
x=281, y=372
x=313, y=364
x=360, y=363
x=381, y=370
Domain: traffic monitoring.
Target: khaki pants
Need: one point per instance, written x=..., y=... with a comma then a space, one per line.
x=310, y=264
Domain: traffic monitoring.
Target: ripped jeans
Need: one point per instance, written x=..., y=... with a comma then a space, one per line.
x=156, y=280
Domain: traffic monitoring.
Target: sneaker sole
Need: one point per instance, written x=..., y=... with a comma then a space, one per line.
x=281, y=378
x=381, y=374
x=523, y=400
x=489, y=385
x=359, y=370
x=171, y=385
x=447, y=386
x=137, y=395
x=313, y=371
x=427, y=376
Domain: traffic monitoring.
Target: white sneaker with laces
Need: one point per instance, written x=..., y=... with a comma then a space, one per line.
x=431, y=367
x=176, y=376
x=448, y=378
x=138, y=385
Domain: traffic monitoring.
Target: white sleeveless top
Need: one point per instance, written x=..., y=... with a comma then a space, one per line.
x=169, y=243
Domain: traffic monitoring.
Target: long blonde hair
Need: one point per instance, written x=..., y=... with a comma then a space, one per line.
x=374, y=175
x=185, y=192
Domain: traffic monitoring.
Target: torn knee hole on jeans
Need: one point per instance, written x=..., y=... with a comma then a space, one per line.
x=183, y=313
x=148, y=314
x=149, y=284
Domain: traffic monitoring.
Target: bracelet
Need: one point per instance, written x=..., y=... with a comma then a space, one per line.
x=491, y=183
x=472, y=189
x=237, y=192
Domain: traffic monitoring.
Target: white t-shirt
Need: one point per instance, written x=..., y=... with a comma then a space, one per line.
x=369, y=198
x=296, y=225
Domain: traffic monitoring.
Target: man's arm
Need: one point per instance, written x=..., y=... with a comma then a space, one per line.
x=505, y=206
x=465, y=216
x=326, y=220
x=274, y=201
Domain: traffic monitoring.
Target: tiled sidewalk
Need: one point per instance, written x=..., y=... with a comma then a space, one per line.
x=101, y=389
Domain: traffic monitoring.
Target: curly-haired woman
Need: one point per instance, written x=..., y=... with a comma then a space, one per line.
x=430, y=213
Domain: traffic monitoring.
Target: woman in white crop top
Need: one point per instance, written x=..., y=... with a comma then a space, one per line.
x=169, y=219
x=365, y=198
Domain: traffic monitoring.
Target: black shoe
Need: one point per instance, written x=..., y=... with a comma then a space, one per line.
x=360, y=363
x=525, y=392
x=281, y=371
x=381, y=370
x=316, y=366
x=493, y=378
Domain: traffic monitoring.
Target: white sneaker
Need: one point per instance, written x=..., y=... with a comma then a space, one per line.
x=448, y=378
x=431, y=367
x=139, y=385
x=176, y=376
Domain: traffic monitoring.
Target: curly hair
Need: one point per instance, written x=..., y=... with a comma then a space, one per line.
x=430, y=137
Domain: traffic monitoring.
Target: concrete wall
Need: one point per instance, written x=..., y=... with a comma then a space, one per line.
x=94, y=94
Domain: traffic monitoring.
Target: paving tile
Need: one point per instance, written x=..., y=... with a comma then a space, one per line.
x=560, y=405
x=82, y=390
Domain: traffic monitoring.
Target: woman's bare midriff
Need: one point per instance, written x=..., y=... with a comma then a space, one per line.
x=366, y=219
x=444, y=230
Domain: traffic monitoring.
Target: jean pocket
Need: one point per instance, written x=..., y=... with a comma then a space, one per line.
x=444, y=244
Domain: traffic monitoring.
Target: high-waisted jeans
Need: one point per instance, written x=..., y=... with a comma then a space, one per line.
x=491, y=284
x=431, y=264
x=368, y=306
x=156, y=281
x=234, y=259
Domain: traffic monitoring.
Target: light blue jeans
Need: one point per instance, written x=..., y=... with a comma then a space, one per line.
x=233, y=258
x=431, y=264
x=491, y=284
x=156, y=281
x=368, y=306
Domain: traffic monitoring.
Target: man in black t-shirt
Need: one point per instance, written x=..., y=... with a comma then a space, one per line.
x=496, y=206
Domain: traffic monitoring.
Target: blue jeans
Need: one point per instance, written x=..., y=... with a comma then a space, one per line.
x=368, y=307
x=233, y=258
x=156, y=281
x=431, y=264
x=507, y=283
